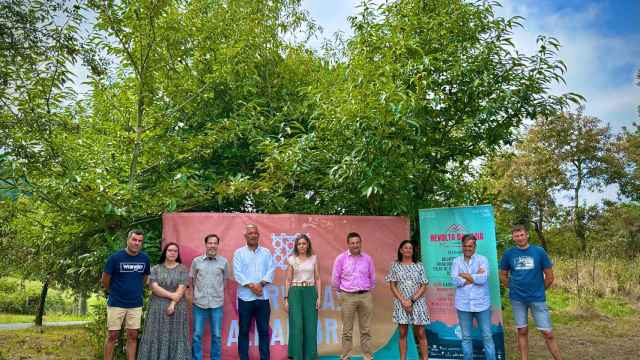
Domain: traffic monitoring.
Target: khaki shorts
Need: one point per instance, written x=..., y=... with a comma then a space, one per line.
x=117, y=315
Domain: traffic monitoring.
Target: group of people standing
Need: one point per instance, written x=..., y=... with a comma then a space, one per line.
x=526, y=270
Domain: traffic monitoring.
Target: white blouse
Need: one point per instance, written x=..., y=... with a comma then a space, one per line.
x=303, y=270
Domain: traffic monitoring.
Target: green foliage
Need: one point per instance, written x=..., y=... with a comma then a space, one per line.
x=420, y=90
x=98, y=332
x=582, y=148
x=8, y=318
x=625, y=162
x=40, y=44
x=611, y=230
x=21, y=297
x=522, y=184
x=615, y=308
x=209, y=106
x=566, y=151
x=570, y=308
x=616, y=228
x=97, y=329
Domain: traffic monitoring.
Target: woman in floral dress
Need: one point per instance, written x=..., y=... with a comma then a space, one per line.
x=408, y=285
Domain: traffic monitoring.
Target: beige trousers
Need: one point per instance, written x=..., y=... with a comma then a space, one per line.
x=362, y=306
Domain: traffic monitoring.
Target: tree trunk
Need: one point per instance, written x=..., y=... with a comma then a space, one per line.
x=539, y=231
x=580, y=229
x=137, y=146
x=578, y=224
x=543, y=241
x=41, y=303
x=82, y=303
x=577, y=272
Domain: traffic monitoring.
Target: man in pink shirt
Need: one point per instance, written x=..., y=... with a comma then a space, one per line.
x=353, y=277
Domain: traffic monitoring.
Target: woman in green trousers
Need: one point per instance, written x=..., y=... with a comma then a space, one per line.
x=302, y=300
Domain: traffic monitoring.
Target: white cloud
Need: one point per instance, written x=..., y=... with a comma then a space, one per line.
x=594, y=59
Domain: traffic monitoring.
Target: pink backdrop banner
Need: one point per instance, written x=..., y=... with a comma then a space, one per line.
x=380, y=238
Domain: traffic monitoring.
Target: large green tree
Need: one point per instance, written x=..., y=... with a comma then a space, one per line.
x=523, y=183
x=625, y=165
x=582, y=147
x=617, y=229
x=39, y=44
x=181, y=94
x=210, y=106
x=625, y=169
x=422, y=89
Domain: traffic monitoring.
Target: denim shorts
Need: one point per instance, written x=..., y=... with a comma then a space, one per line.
x=539, y=310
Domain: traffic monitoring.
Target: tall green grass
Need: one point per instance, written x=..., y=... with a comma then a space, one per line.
x=599, y=276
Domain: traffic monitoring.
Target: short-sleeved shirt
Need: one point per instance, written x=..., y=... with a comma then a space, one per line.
x=209, y=276
x=127, y=278
x=303, y=270
x=168, y=278
x=526, y=279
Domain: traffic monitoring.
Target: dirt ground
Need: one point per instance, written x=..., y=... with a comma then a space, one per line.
x=596, y=338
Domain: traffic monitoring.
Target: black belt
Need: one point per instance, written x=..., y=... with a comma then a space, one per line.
x=356, y=292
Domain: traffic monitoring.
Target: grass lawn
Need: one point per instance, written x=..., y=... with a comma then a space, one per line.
x=21, y=318
x=53, y=343
x=594, y=329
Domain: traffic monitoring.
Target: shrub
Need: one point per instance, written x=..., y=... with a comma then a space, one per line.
x=21, y=297
x=97, y=327
x=599, y=276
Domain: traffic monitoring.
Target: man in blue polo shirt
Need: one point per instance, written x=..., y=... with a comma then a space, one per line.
x=123, y=279
x=527, y=271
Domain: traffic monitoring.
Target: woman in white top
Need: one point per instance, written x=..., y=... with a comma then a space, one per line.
x=302, y=300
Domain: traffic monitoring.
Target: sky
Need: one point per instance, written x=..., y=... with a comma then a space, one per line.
x=600, y=46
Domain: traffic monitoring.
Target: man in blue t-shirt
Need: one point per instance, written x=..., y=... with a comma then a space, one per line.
x=527, y=271
x=123, y=279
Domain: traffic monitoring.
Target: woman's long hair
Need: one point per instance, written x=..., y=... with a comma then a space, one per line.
x=163, y=256
x=295, y=245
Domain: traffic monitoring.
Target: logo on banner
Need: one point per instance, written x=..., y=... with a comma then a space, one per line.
x=456, y=228
x=282, y=247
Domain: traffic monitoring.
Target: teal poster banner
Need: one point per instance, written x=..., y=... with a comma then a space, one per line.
x=440, y=233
